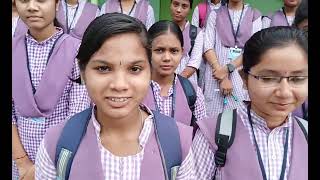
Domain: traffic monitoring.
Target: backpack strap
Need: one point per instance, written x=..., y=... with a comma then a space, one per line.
x=202, y=7
x=168, y=139
x=191, y=96
x=225, y=133
x=69, y=141
x=192, y=34
x=303, y=125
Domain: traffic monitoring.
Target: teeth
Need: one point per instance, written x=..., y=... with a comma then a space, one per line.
x=118, y=99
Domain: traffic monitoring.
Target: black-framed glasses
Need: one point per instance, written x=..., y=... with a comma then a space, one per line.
x=272, y=81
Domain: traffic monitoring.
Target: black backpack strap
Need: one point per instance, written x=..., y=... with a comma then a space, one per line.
x=193, y=31
x=191, y=96
x=304, y=111
x=225, y=133
x=303, y=125
x=168, y=139
x=69, y=141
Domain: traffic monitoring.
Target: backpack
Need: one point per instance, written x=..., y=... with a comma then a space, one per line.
x=191, y=96
x=225, y=133
x=167, y=136
x=193, y=32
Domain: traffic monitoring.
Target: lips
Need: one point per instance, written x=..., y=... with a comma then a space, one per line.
x=281, y=106
x=33, y=18
x=118, y=102
x=166, y=67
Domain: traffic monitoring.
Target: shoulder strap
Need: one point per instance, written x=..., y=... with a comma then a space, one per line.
x=202, y=7
x=168, y=138
x=303, y=125
x=225, y=133
x=69, y=141
x=192, y=34
x=191, y=96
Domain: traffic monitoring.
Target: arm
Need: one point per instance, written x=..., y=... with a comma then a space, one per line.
x=44, y=167
x=150, y=17
x=195, y=58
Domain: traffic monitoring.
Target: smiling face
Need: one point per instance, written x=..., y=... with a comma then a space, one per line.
x=118, y=75
x=166, y=54
x=279, y=101
x=37, y=14
x=179, y=10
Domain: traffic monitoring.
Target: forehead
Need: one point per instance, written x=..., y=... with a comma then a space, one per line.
x=181, y=1
x=283, y=60
x=166, y=39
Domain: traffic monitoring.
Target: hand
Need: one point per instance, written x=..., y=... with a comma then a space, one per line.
x=29, y=174
x=24, y=166
x=226, y=86
x=220, y=73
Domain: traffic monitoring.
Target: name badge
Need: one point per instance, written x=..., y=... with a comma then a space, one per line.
x=174, y=171
x=38, y=119
x=233, y=53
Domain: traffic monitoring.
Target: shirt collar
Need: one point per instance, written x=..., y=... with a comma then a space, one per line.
x=48, y=40
x=157, y=88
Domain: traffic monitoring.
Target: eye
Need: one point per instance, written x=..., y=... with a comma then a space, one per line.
x=103, y=69
x=298, y=79
x=269, y=79
x=158, y=50
x=136, y=69
x=174, y=51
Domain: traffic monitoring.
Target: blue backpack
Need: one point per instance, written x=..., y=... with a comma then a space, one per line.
x=166, y=131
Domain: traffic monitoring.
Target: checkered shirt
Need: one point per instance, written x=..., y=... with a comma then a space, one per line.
x=270, y=142
x=74, y=98
x=115, y=167
x=165, y=102
x=211, y=88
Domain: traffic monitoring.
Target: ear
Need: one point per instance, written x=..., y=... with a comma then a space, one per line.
x=244, y=77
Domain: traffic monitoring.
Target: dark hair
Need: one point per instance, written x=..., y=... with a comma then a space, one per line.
x=191, y=2
x=301, y=13
x=163, y=27
x=262, y=41
x=107, y=26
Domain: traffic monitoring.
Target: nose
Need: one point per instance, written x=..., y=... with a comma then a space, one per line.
x=32, y=5
x=119, y=82
x=166, y=56
x=284, y=90
x=178, y=9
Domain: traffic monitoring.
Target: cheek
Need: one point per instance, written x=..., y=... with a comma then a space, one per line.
x=301, y=94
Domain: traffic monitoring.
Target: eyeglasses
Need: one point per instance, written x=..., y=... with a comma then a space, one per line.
x=273, y=81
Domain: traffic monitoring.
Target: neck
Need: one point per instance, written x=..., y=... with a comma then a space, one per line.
x=41, y=35
x=235, y=5
x=163, y=80
x=290, y=11
x=120, y=126
x=215, y=1
x=72, y=2
x=272, y=121
x=181, y=24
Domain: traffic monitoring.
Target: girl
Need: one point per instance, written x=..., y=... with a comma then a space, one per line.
x=121, y=136
x=140, y=9
x=227, y=30
x=18, y=27
x=43, y=94
x=75, y=16
x=202, y=10
x=166, y=93
x=268, y=139
x=193, y=46
x=282, y=17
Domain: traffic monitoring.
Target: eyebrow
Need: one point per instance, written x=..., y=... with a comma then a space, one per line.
x=272, y=72
x=108, y=63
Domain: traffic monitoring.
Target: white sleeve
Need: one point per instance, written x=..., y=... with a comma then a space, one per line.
x=210, y=32
x=266, y=21
x=98, y=12
x=197, y=51
x=256, y=25
x=44, y=167
x=195, y=17
x=150, y=17
x=103, y=9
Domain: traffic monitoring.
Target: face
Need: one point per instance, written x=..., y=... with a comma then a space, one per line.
x=303, y=25
x=278, y=101
x=37, y=14
x=291, y=3
x=118, y=75
x=179, y=10
x=166, y=54
x=235, y=1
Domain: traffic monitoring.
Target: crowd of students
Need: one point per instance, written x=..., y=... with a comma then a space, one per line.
x=125, y=97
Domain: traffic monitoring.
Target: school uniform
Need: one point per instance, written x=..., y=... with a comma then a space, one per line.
x=278, y=18
x=141, y=10
x=18, y=27
x=175, y=104
x=194, y=59
x=195, y=16
x=75, y=19
x=242, y=157
x=220, y=38
x=43, y=94
x=93, y=161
